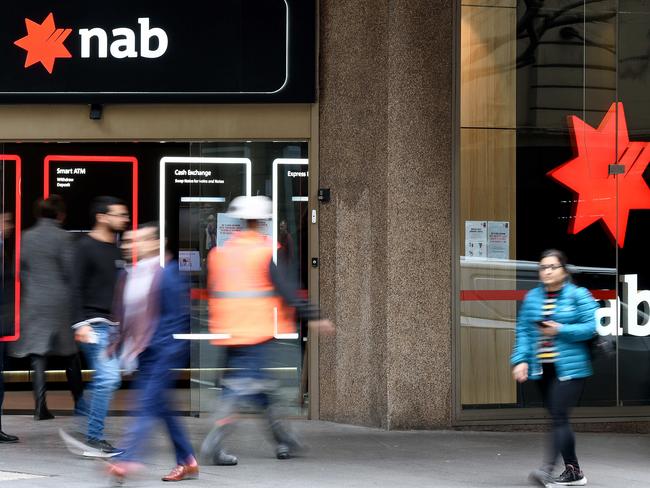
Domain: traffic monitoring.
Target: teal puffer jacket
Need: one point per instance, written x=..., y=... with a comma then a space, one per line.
x=575, y=311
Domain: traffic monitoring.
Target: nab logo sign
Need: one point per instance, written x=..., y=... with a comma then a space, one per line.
x=44, y=42
x=599, y=195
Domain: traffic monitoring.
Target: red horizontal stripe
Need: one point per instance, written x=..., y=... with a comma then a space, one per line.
x=494, y=295
x=465, y=295
x=199, y=294
x=482, y=295
x=604, y=294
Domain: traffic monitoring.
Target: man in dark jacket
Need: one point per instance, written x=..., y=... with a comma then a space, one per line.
x=45, y=275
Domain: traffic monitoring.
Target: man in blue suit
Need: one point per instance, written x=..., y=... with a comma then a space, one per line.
x=152, y=304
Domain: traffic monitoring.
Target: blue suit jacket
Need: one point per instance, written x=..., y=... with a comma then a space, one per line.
x=174, y=311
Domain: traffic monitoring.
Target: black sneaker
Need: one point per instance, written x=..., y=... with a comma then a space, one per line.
x=541, y=477
x=571, y=476
x=104, y=447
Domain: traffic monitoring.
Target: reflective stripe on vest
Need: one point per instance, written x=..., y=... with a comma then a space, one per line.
x=243, y=294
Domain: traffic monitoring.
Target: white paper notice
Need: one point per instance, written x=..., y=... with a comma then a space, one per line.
x=228, y=225
x=498, y=242
x=189, y=261
x=475, y=238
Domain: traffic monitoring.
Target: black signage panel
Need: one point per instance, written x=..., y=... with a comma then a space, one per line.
x=194, y=194
x=80, y=179
x=126, y=51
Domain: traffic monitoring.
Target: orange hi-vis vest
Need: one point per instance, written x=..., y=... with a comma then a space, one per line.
x=243, y=303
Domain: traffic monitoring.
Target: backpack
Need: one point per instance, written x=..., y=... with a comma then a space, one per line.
x=601, y=347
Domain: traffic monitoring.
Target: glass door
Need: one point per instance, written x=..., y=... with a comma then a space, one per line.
x=203, y=187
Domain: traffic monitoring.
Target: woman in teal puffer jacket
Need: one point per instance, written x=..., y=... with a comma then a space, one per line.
x=554, y=324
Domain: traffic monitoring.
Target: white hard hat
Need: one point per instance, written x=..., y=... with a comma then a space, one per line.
x=251, y=208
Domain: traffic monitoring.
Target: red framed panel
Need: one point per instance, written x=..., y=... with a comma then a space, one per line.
x=132, y=160
x=17, y=229
x=97, y=159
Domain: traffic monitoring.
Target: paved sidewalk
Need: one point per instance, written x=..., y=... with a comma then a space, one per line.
x=340, y=456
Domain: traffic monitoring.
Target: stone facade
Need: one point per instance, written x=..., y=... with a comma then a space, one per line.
x=386, y=76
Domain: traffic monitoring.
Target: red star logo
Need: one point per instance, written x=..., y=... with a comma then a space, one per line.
x=588, y=177
x=44, y=43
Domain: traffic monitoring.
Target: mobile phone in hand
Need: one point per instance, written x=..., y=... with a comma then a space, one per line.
x=93, y=338
x=541, y=323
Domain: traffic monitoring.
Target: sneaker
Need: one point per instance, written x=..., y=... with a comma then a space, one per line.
x=104, y=447
x=541, y=477
x=571, y=476
x=222, y=458
x=282, y=451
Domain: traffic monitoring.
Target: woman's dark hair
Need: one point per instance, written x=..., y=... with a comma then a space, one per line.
x=50, y=208
x=555, y=253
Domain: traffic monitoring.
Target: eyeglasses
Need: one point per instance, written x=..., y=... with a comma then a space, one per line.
x=123, y=215
x=552, y=267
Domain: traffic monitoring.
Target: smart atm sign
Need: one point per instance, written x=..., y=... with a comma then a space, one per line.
x=126, y=51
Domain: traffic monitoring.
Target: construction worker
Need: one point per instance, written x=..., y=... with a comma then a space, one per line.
x=250, y=302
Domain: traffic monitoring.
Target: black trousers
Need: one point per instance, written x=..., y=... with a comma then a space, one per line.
x=559, y=399
x=2, y=381
x=72, y=372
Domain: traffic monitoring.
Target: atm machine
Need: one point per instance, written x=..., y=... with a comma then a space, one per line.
x=81, y=178
x=290, y=194
x=194, y=196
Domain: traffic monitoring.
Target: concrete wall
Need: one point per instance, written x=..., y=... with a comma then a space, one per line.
x=385, y=238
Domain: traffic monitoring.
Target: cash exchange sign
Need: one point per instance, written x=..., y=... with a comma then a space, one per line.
x=121, y=51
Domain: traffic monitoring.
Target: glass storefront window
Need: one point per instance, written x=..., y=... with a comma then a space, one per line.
x=554, y=134
x=187, y=187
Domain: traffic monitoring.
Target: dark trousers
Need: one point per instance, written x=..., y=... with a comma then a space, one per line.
x=247, y=380
x=153, y=383
x=2, y=381
x=559, y=398
x=72, y=373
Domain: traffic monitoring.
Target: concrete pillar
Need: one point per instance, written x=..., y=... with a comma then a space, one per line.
x=385, y=151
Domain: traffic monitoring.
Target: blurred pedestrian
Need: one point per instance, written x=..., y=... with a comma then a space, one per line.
x=285, y=252
x=210, y=233
x=97, y=262
x=152, y=304
x=6, y=306
x=554, y=325
x=46, y=281
x=250, y=301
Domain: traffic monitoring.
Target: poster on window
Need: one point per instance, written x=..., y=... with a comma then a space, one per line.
x=498, y=240
x=475, y=238
x=227, y=225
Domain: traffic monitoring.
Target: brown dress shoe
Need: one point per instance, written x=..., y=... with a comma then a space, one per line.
x=183, y=472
